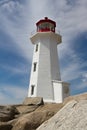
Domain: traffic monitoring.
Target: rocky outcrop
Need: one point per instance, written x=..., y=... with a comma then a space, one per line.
x=72, y=116
x=7, y=113
x=32, y=121
x=69, y=115
x=27, y=116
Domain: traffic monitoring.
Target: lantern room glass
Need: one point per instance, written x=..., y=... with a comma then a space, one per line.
x=45, y=27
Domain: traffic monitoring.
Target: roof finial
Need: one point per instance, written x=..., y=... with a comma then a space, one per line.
x=46, y=18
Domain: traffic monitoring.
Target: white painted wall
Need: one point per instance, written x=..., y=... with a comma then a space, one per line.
x=55, y=71
x=47, y=69
x=60, y=90
x=34, y=75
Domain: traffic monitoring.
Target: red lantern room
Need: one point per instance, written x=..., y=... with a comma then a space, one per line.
x=46, y=25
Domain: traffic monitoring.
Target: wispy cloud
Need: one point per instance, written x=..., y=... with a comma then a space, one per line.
x=13, y=22
x=20, y=69
x=84, y=77
x=2, y=2
x=71, y=20
x=10, y=93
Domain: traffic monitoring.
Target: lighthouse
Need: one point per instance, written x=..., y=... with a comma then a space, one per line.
x=45, y=79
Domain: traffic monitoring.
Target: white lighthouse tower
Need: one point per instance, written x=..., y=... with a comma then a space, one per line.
x=45, y=80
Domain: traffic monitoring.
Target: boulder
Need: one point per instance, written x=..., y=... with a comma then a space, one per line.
x=32, y=121
x=33, y=101
x=23, y=109
x=7, y=113
x=73, y=116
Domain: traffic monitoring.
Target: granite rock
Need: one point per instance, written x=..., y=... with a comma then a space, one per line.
x=72, y=116
x=33, y=101
x=7, y=113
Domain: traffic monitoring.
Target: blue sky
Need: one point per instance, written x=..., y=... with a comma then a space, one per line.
x=17, y=21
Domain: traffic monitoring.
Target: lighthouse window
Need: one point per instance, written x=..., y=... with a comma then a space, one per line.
x=35, y=64
x=36, y=48
x=52, y=27
x=32, y=89
x=46, y=25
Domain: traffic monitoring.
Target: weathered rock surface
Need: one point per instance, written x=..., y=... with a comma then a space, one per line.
x=7, y=113
x=76, y=97
x=51, y=107
x=33, y=101
x=32, y=120
x=72, y=116
x=28, y=115
x=24, y=109
x=5, y=126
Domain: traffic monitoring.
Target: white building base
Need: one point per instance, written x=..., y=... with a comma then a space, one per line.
x=61, y=90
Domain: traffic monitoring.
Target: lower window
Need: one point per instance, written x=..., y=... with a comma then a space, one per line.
x=32, y=89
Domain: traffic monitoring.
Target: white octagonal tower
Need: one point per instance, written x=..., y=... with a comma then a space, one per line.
x=45, y=80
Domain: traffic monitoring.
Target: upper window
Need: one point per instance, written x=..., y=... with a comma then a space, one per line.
x=46, y=26
x=36, y=49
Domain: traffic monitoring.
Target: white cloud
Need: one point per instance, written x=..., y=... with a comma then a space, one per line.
x=2, y=97
x=71, y=20
x=17, y=26
x=10, y=6
x=12, y=94
x=20, y=73
x=84, y=77
x=81, y=85
x=73, y=69
x=20, y=69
